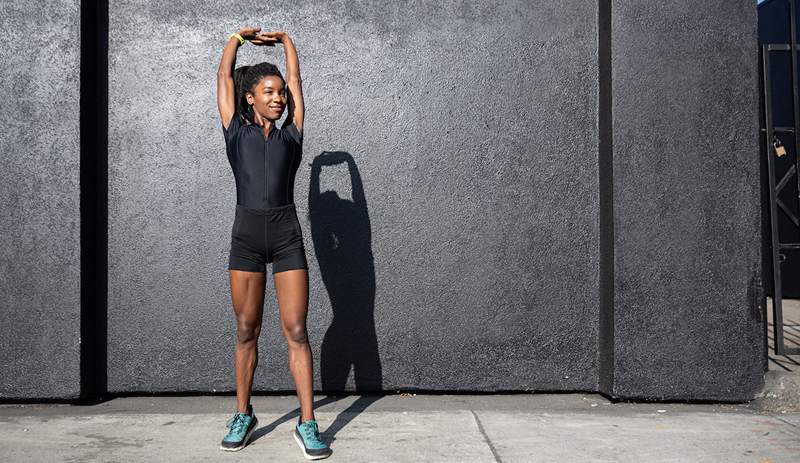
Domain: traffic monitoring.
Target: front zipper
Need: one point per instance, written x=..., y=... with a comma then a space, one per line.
x=266, y=185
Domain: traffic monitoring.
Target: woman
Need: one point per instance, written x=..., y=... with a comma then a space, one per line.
x=264, y=160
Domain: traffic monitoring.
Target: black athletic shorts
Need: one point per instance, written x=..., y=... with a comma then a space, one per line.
x=260, y=236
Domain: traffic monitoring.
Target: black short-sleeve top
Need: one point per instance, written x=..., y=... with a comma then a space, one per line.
x=264, y=168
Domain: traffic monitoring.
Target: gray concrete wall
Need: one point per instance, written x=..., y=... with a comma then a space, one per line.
x=472, y=217
x=687, y=323
x=40, y=200
x=454, y=234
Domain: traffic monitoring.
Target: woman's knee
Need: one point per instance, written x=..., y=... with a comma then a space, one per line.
x=247, y=331
x=296, y=333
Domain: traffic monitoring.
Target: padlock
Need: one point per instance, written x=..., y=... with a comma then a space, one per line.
x=780, y=150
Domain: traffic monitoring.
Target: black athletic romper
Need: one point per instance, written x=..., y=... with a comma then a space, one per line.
x=265, y=228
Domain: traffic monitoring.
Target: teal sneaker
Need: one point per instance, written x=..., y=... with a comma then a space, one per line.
x=306, y=434
x=240, y=427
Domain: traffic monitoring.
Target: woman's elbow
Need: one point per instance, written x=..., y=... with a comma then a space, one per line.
x=224, y=74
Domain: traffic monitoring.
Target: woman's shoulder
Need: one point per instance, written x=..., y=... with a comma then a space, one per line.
x=233, y=127
x=292, y=132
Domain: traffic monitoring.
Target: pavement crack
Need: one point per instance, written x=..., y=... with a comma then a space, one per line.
x=796, y=427
x=486, y=439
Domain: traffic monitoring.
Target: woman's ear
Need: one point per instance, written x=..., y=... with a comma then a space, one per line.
x=249, y=97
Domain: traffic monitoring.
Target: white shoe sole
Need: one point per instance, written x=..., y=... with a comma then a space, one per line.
x=244, y=441
x=303, y=448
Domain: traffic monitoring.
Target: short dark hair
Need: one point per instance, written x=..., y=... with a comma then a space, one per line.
x=244, y=77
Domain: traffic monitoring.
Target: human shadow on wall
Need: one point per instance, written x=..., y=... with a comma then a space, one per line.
x=342, y=239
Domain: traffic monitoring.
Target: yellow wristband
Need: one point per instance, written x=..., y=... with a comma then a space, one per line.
x=241, y=39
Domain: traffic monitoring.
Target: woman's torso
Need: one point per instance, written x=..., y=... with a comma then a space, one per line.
x=264, y=167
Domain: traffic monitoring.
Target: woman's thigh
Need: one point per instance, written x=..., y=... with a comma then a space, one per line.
x=291, y=288
x=247, y=294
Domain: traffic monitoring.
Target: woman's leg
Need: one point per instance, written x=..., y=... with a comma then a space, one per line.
x=247, y=293
x=291, y=287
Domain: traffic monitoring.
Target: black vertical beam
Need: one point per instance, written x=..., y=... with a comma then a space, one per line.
x=766, y=249
x=778, y=322
x=605, y=132
x=795, y=90
x=94, y=195
x=775, y=248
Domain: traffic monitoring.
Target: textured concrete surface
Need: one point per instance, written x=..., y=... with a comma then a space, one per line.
x=688, y=320
x=448, y=195
x=40, y=200
x=405, y=428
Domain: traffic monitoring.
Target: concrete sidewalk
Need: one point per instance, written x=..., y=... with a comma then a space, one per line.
x=405, y=428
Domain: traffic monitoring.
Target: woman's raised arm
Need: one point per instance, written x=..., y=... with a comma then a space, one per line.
x=293, y=81
x=226, y=94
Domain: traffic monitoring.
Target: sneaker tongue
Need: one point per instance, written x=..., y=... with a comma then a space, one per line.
x=308, y=424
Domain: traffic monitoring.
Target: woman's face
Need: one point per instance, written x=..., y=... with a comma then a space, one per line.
x=268, y=97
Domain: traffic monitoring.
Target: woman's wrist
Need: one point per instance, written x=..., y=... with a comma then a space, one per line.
x=244, y=36
x=235, y=37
